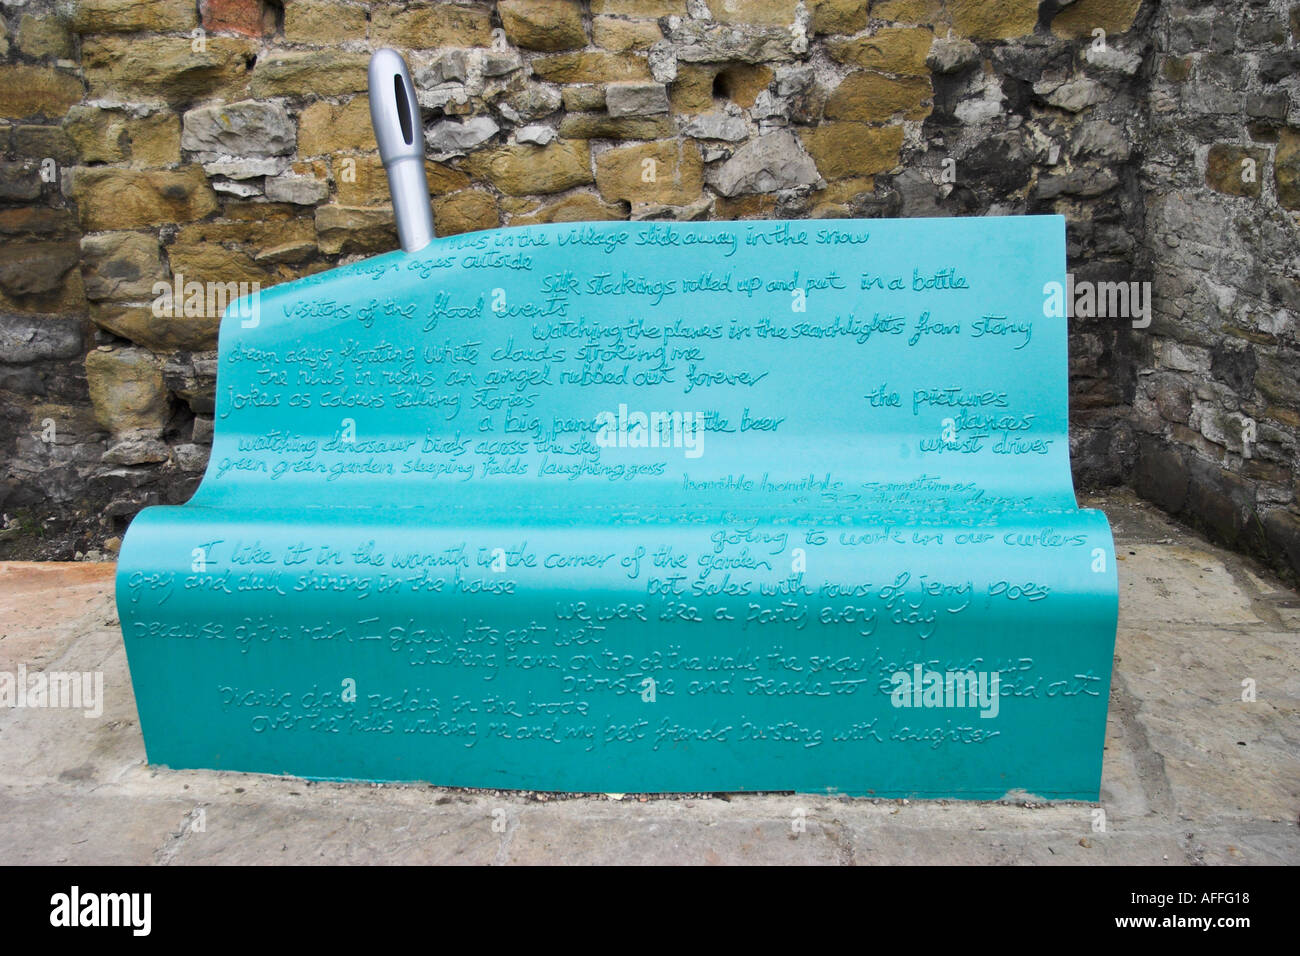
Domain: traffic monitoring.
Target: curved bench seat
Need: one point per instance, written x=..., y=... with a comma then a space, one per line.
x=588, y=508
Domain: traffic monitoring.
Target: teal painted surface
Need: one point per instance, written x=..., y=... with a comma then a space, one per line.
x=409, y=494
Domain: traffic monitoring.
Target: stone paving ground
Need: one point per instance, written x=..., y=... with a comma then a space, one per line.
x=1193, y=774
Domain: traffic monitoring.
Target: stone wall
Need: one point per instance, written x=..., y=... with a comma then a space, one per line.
x=1217, y=408
x=228, y=141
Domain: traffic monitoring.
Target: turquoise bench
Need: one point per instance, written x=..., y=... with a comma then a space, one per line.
x=642, y=507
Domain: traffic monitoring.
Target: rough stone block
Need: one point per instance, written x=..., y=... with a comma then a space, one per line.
x=543, y=24
x=670, y=171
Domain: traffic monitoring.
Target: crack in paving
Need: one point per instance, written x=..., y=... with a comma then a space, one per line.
x=166, y=853
x=502, y=857
x=1150, y=764
x=1260, y=605
x=837, y=833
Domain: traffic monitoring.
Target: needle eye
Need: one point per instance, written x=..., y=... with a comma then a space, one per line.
x=403, y=109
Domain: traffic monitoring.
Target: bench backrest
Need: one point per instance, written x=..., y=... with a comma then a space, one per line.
x=833, y=366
